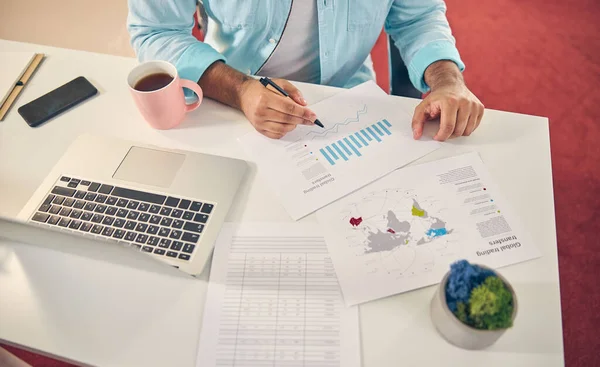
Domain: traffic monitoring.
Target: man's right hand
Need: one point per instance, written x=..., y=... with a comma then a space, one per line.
x=272, y=114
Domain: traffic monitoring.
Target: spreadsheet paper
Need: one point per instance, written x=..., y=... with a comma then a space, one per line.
x=274, y=300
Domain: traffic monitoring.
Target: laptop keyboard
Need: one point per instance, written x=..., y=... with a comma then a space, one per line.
x=154, y=223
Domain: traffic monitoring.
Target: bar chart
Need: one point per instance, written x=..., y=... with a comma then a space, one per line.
x=351, y=145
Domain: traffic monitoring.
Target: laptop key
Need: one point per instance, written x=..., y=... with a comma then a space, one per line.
x=90, y=207
x=159, y=251
x=119, y=233
x=166, y=222
x=101, y=199
x=54, y=220
x=97, y=218
x=72, y=184
x=40, y=217
x=165, y=211
x=65, y=179
x=94, y=186
x=177, y=245
x=200, y=218
x=184, y=256
x=193, y=227
x=108, y=231
x=54, y=209
x=76, y=214
x=207, y=208
x=64, y=222
x=171, y=254
x=68, y=202
x=143, y=207
x=133, y=215
x=86, y=216
x=111, y=210
x=164, y=232
x=177, y=213
x=184, y=204
x=189, y=248
x=175, y=234
x=108, y=221
x=154, y=209
x=119, y=223
x=75, y=224
x=164, y=243
x=132, y=205
x=130, y=236
x=155, y=219
x=58, y=200
x=48, y=200
x=86, y=183
x=177, y=224
x=85, y=227
x=130, y=225
x=80, y=194
x=171, y=201
x=147, y=249
x=97, y=229
x=141, y=227
x=153, y=240
x=196, y=205
x=105, y=189
x=141, y=238
x=65, y=212
x=190, y=237
x=111, y=200
x=122, y=213
x=90, y=196
x=153, y=230
x=100, y=208
x=122, y=203
x=79, y=204
x=139, y=195
x=44, y=208
x=64, y=191
x=144, y=217
x=188, y=215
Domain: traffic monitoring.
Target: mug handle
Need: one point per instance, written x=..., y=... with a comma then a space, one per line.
x=185, y=83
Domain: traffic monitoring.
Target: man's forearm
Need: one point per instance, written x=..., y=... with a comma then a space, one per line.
x=223, y=83
x=442, y=73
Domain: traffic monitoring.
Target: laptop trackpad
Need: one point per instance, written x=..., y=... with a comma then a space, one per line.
x=149, y=166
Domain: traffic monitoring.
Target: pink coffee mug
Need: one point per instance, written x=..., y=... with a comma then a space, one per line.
x=163, y=108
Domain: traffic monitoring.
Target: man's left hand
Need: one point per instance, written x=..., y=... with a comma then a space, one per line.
x=450, y=100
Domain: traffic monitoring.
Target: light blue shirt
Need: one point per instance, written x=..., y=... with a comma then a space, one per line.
x=244, y=33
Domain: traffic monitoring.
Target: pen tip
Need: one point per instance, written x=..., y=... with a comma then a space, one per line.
x=318, y=123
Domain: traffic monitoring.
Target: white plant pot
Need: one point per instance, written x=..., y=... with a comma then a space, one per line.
x=454, y=330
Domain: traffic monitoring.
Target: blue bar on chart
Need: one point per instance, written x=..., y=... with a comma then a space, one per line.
x=352, y=145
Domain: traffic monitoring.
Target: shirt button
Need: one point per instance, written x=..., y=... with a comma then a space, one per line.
x=272, y=40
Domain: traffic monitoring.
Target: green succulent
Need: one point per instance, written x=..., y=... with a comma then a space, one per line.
x=490, y=306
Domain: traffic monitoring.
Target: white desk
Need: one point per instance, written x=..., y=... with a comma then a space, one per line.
x=103, y=314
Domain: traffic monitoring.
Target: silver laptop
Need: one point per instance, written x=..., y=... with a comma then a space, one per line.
x=163, y=203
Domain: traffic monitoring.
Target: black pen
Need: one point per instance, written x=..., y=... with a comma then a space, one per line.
x=266, y=81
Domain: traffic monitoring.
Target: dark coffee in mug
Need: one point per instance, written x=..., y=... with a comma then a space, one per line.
x=153, y=82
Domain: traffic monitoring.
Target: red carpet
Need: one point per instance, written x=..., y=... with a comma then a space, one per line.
x=542, y=57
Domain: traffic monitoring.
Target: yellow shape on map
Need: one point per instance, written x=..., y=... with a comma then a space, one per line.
x=417, y=213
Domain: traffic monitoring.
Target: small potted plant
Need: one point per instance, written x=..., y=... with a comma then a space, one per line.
x=473, y=306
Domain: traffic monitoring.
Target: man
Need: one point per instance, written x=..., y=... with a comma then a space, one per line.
x=317, y=41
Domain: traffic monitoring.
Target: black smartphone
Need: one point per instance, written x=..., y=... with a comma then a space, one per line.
x=57, y=101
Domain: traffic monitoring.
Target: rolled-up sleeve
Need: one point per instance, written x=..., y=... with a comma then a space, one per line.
x=162, y=30
x=422, y=34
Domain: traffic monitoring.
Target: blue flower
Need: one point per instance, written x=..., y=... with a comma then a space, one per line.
x=463, y=278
